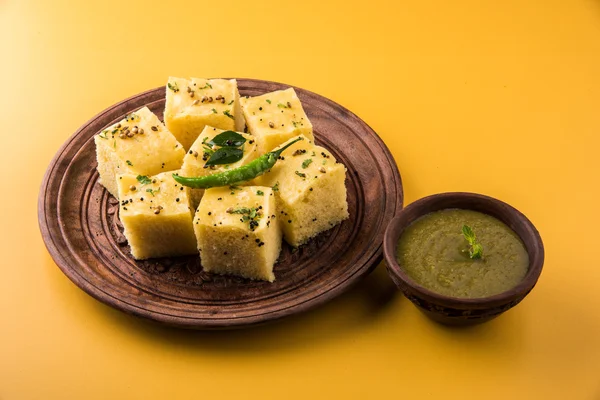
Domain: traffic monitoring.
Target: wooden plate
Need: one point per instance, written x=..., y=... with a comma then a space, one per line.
x=80, y=225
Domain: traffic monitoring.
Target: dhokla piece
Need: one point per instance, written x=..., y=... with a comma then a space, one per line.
x=275, y=117
x=310, y=189
x=156, y=215
x=237, y=232
x=196, y=157
x=140, y=145
x=191, y=104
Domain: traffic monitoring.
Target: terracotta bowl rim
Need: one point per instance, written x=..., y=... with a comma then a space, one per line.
x=399, y=223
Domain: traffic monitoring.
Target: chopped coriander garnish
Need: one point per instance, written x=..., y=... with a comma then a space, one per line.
x=208, y=150
x=313, y=154
x=248, y=214
x=239, y=210
x=300, y=174
x=152, y=191
x=281, y=105
x=143, y=179
x=214, y=111
x=173, y=87
x=260, y=193
x=230, y=103
x=129, y=163
x=226, y=112
x=268, y=101
x=103, y=135
x=206, y=86
x=306, y=163
x=276, y=187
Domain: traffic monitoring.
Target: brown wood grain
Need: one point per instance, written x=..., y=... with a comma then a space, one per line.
x=461, y=311
x=80, y=225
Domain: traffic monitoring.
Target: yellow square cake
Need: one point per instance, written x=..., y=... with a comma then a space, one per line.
x=156, y=215
x=140, y=145
x=196, y=157
x=191, y=104
x=310, y=190
x=275, y=117
x=237, y=232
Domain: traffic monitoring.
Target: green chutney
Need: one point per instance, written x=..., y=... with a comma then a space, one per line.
x=435, y=254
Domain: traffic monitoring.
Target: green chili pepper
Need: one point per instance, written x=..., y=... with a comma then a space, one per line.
x=244, y=173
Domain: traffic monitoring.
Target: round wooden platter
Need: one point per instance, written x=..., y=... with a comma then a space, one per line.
x=80, y=225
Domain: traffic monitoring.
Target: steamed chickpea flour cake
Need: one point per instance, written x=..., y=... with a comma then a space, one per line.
x=139, y=144
x=237, y=231
x=156, y=216
x=201, y=185
x=275, y=117
x=311, y=193
x=201, y=150
x=192, y=104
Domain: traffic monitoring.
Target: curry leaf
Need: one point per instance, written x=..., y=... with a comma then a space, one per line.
x=225, y=155
x=228, y=138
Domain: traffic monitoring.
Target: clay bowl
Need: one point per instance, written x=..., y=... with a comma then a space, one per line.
x=459, y=311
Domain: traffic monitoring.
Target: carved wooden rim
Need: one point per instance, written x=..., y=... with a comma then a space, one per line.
x=80, y=227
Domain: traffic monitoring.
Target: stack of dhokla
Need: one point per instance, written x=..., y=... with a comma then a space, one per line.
x=236, y=229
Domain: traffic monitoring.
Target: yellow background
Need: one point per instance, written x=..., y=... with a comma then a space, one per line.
x=496, y=97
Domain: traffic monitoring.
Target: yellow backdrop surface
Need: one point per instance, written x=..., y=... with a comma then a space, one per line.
x=501, y=98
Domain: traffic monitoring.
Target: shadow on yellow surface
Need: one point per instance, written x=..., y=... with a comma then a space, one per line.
x=356, y=309
x=365, y=307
